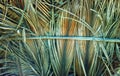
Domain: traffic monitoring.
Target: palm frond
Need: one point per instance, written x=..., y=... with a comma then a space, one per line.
x=55, y=37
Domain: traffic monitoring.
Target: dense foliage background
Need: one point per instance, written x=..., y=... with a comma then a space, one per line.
x=60, y=37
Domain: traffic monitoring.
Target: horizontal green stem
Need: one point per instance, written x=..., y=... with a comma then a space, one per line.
x=75, y=38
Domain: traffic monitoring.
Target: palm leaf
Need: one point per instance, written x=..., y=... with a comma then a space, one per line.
x=51, y=37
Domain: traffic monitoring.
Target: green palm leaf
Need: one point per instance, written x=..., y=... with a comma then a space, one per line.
x=55, y=37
